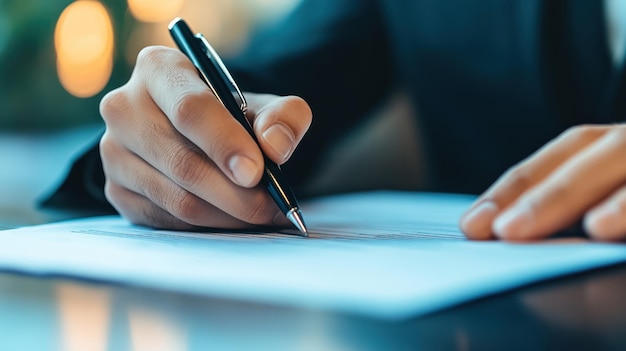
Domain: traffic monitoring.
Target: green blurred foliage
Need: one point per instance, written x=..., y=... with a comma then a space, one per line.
x=31, y=96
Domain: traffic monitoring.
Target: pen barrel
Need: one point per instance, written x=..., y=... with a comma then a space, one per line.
x=217, y=79
x=272, y=179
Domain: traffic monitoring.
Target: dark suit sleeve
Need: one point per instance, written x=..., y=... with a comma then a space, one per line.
x=83, y=188
x=333, y=53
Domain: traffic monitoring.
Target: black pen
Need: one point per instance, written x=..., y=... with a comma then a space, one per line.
x=219, y=80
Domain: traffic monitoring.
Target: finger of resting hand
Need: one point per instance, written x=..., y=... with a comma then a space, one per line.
x=131, y=172
x=279, y=123
x=175, y=86
x=477, y=221
x=568, y=192
x=607, y=220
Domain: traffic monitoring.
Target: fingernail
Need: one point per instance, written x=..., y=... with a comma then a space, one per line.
x=514, y=223
x=243, y=169
x=477, y=223
x=281, y=139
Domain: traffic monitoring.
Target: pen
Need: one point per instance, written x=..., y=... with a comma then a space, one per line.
x=221, y=83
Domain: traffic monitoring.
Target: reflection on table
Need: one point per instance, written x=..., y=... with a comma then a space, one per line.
x=586, y=311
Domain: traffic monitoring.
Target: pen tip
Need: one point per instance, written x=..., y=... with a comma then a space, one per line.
x=295, y=216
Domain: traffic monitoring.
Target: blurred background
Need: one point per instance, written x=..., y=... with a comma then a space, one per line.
x=58, y=58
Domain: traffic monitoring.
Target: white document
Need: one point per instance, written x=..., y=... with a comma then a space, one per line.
x=383, y=254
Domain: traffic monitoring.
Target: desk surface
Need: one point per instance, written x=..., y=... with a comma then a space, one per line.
x=585, y=311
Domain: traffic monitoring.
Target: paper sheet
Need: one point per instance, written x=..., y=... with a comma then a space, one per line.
x=383, y=254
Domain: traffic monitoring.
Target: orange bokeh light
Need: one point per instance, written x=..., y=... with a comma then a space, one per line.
x=154, y=10
x=83, y=41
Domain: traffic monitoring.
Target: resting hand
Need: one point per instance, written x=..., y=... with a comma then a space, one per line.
x=579, y=175
x=175, y=158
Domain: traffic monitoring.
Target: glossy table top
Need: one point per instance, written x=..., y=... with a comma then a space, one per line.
x=585, y=311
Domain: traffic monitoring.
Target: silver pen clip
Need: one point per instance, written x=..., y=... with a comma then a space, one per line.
x=212, y=55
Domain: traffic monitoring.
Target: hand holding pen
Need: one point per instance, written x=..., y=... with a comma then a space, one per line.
x=223, y=86
x=174, y=157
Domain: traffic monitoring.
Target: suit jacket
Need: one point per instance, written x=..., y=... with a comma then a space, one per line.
x=492, y=80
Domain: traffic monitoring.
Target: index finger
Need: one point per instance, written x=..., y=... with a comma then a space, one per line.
x=174, y=85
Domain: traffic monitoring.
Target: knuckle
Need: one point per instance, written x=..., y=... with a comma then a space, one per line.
x=186, y=166
x=114, y=195
x=618, y=136
x=143, y=212
x=221, y=144
x=186, y=206
x=583, y=132
x=560, y=191
x=151, y=57
x=149, y=186
x=108, y=150
x=114, y=106
x=575, y=131
x=518, y=179
x=188, y=108
x=108, y=192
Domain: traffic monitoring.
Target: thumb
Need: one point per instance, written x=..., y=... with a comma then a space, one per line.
x=279, y=124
